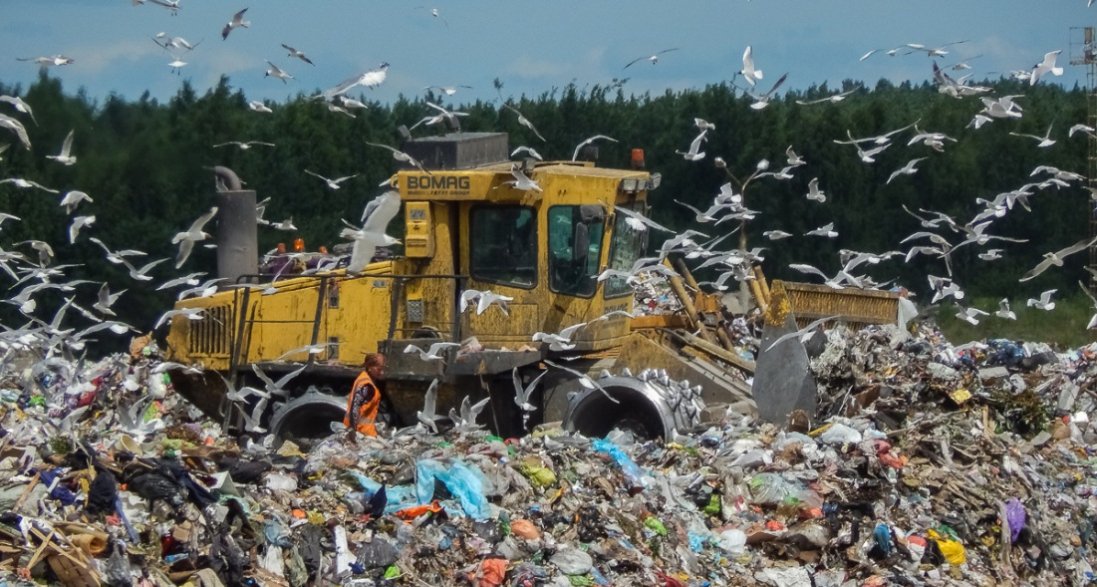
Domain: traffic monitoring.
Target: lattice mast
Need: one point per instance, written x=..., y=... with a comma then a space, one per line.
x=1083, y=52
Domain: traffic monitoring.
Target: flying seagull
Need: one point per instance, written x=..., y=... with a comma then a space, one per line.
x=401, y=156
x=298, y=54
x=65, y=157
x=748, y=72
x=187, y=238
x=236, y=22
x=1056, y=258
x=579, y=147
x=654, y=58
x=522, y=120
x=1042, y=142
x=1046, y=66
x=278, y=72
x=333, y=184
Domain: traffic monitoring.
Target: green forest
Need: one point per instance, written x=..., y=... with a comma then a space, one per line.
x=146, y=165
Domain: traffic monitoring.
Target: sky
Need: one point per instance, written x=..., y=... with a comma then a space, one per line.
x=531, y=47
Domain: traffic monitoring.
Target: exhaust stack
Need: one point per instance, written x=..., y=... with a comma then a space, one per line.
x=237, y=228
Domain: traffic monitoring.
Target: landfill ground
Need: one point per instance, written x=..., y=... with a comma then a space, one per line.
x=926, y=463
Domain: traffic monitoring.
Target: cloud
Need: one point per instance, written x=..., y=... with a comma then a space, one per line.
x=590, y=65
x=96, y=59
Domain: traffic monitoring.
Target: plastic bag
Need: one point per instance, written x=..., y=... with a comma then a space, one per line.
x=1015, y=516
x=631, y=470
x=465, y=483
x=952, y=550
x=773, y=489
x=839, y=433
x=732, y=541
x=572, y=561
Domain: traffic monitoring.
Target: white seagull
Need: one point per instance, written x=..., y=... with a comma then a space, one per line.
x=484, y=300
x=833, y=98
x=257, y=106
x=1046, y=66
x=970, y=315
x=1044, y=303
x=236, y=22
x=579, y=147
x=748, y=72
x=244, y=145
x=695, y=153
x=19, y=105
x=65, y=157
x=522, y=392
x=369, y=79
x=1092, y=324
x=1043, y=142
x=654, y=58
x=72, y=199
x=528, y=151
x=1004, y=311
x=296, y=53
x=907, y=169
x=814, y=193
x=560, y=341
x=278, y=72
x=27, y=184
x=432, y=353
x=761, y=101
x=427, y=416
x=1056, y=258
x=401, y=156
x=521, y=181
x=825, y=231
x=78, y=223
x=333, y=184
x=187, y=238
x=375, y=220
x=16, y=127
x=522, y=120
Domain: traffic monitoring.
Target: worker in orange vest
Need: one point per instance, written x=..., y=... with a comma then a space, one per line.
x=365, y=397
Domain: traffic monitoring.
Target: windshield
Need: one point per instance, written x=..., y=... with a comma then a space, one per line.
x=625, y=248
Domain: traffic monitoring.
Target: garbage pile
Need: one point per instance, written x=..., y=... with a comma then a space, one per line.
x=927, y=464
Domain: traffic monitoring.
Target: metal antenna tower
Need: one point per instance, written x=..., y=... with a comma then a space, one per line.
x=1083, y=51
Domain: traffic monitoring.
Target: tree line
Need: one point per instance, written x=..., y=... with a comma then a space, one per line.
x=147, y=166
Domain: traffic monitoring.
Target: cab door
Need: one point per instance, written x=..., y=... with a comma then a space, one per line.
x=503, y=257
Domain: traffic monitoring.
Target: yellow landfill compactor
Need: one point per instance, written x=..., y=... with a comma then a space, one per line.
x=466, y=228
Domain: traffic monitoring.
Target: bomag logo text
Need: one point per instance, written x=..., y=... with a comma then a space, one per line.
x=437, y=182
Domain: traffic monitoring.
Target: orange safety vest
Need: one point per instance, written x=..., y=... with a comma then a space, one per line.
x=367, y=412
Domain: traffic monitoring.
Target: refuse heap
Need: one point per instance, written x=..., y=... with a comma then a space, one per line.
x=927, y=464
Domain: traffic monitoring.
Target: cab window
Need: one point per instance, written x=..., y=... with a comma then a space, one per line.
x=504, y=245
x=575, y=247
x=625, y=248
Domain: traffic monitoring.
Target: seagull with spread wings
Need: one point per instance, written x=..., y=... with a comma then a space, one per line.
x=589, y=141
x=401, y=156
x=65, y=157
x=333, y=184
x=1055, y=258
x=522, y=120
x=236, y=22
x=187, y=238
x=276, y=72
x=297, y=53
x=375, y=220
x=653, y=58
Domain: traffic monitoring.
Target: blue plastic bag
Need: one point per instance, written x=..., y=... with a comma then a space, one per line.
x=631, y=470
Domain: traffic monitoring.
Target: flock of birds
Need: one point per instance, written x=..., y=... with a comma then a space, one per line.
x=32, y=268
